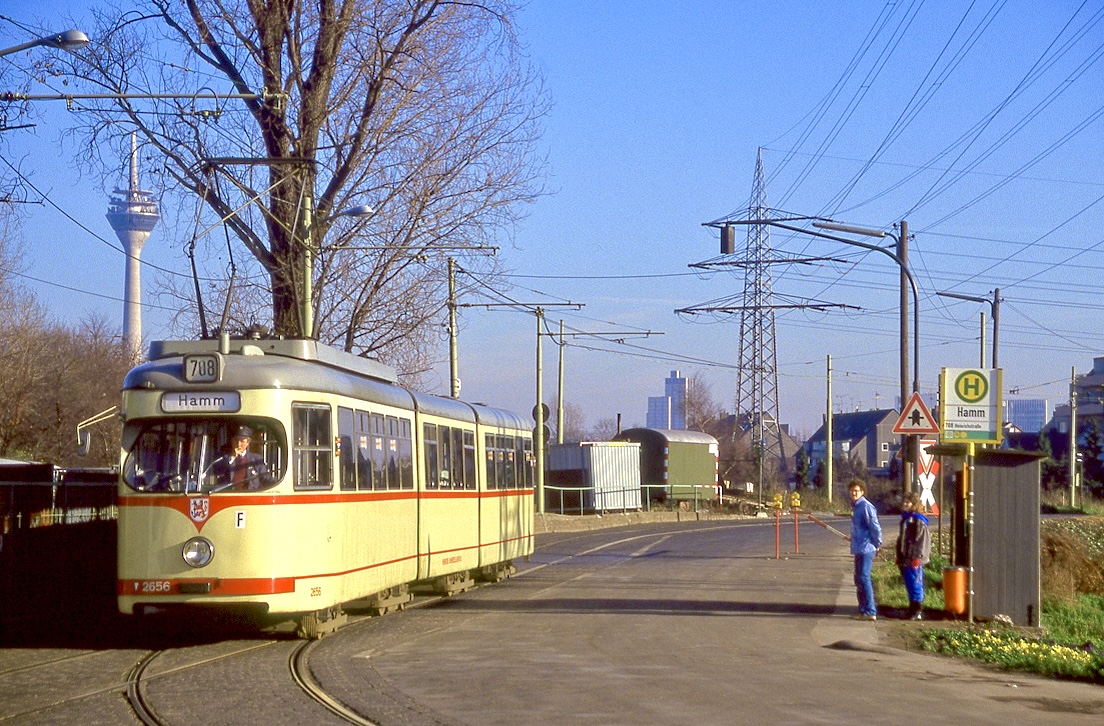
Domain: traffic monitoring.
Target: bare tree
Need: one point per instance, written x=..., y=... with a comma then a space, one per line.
x=604, y=430
x=54, y=377
x=423, y=109
x=574, y=423
x=701, y=409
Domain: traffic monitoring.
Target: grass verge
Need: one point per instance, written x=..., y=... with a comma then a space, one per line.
x=1071, y=642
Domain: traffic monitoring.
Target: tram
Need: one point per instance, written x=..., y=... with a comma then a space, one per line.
x=345, y=489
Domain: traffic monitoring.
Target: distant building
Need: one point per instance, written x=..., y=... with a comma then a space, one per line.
x=865, y=436
x=659, y=412
x=931, y=400
x=1089, y=395
x=1027, y=414
x=669, y=411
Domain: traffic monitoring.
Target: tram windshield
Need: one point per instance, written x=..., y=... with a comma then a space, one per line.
x=205, y=456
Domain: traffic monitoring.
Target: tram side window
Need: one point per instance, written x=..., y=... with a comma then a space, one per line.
x=430, y=438
x=511, y=461
x=312, y=455
x=393, y=453
x=458, y=480
x=345, y=420
x=379, y=453
x=406, y=455
x=469, y=460
x=444, y=448
x=489, y=446
x=525, y=463
x=364, y=450
x=500, y=462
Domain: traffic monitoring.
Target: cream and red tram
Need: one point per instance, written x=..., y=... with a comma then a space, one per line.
x=364, y=489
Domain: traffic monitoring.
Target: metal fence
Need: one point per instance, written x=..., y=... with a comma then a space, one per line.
x=581, y=500
x=40, y=495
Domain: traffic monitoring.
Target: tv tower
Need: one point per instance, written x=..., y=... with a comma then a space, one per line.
x=133, y=215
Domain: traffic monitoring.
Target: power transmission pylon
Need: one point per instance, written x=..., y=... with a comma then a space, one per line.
x=757, y=375
x=757, y=372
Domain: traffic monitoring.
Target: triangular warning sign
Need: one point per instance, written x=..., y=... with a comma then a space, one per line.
x=916, y=418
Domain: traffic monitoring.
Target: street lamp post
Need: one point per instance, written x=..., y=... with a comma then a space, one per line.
x=900, y=257
x=994, y=308
x=307, y=310
x=65, y=40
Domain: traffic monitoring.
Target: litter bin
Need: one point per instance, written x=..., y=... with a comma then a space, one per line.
x=954, y=590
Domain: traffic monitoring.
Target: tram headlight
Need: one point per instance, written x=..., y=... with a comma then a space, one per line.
x=198, y=552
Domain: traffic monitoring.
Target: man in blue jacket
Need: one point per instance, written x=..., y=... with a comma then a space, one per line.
x=866, y=538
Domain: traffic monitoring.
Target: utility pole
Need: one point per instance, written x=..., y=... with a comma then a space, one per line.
x=454, y=355
x=907, y=442
x=828, y=435
x=538, y=415
x=996, y=323
x=306, y=314
x=1073, y=438
x=560, y=393
x=981, y=360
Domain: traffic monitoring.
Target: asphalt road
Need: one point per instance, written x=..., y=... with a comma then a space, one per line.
x=671, y=625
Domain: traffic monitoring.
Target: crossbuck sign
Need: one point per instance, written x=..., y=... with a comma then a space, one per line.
x=970, y=405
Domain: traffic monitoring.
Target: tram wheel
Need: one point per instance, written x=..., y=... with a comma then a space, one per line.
x=312, y=626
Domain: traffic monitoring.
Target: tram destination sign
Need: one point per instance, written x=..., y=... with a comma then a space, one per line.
x=970, y=405
x=201, y=402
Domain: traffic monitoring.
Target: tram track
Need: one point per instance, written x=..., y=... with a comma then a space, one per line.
x=132, y=688
x=135, y=687
x=44, y=701
x=48, y=663
x=135, y=697
x=299, y=666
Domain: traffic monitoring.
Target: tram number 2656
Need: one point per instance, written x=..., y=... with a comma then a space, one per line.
x=153, y=586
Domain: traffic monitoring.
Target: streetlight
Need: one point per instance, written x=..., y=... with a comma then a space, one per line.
x=307, y=312
x=994, y=308
x=900, y=257
x=66, y=40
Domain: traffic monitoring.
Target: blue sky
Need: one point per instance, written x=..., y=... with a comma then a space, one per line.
x=980, y=127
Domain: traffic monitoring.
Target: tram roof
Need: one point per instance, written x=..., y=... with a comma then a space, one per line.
x=297, y=348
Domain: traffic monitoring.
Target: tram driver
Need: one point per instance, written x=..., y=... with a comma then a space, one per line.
x=241, y=467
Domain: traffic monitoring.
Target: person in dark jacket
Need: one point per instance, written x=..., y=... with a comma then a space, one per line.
x=913, y=552
x=866, y=538
x=242, y=468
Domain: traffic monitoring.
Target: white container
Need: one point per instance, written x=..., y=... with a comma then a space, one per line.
x=604, y=475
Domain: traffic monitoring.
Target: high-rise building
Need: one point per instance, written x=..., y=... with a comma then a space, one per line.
x=659, y=412
x=1027, y=414
x=669, y=411
x=133, y=215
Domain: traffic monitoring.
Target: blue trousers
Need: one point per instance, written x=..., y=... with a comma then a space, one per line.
x=863, y=587
x=914, y=582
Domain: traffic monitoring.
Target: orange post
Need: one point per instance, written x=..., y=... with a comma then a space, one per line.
x=777, y=533
x=795, y=503
x=797, y=547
